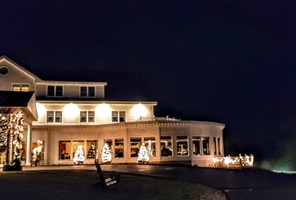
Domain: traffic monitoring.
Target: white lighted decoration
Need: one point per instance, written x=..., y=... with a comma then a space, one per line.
x=36, y=157
x=143, y=155
x=234, y=162
x=106, y=154
x=79, y=155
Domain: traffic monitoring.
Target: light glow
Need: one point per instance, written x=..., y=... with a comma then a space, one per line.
x=103, y=111
x=71, y=110
x=139, y=111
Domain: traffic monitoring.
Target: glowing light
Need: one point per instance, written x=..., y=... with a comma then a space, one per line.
x=103, y=111
x=138, y=111
x=71, y=110
x=106, y=154
x=235, y=162
x=79, y=155
x=41, y=110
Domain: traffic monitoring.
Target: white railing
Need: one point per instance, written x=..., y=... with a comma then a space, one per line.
x=158, y=119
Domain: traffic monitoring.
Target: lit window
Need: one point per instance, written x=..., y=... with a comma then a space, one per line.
x=182, y=146
x=54, y=91
x=87, y=91
x=119, y=148
x=135, y=146
x=196, y=145
x=91, y=146
x=206, y=146
x=65, y=149
x=20, y=87
x=118, y=116
x=166, y=146
x=150, y=145
x=54, y=116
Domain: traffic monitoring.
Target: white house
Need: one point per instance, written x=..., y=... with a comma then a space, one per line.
x=79, y=113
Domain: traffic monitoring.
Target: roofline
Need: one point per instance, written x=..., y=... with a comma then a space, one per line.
x=71, y=83
x=20, y=67
x=94, y=102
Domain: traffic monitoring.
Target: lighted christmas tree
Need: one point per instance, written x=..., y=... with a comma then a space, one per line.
x=79, y=155
x=143, y=155
x=106, y=154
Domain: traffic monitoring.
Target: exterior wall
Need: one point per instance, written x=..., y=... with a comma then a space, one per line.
x=143, y=131
x=15, y=76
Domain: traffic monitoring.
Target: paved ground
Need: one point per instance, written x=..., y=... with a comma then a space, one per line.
x=173, y=182
x=81, y=182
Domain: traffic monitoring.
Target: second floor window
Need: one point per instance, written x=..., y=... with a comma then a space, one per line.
x=87, y=116
x=54, y=116
x=20, y=87
x=118, y=116
x=87, y=91
x=54, y=91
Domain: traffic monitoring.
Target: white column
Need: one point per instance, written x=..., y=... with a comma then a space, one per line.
x=29, y=145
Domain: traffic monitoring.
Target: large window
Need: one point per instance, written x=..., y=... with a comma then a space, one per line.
x=91, y=148
x=54, y=116
x=206, y=145
x=166, y=146
x=65, y=150
x=182, y=146
x=54, y=91
x=119, y=148
x=87, y=91
x=76, y=145
x=20, y=87
x=135, y=146
x=219, y=147
x=196, y=141
x=150, y=145
x=87, y=116
x=118, y=116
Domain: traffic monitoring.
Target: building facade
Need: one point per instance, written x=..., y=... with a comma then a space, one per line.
x=72, y=114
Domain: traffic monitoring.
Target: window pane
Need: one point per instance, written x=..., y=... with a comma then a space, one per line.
x=206, y=145
x=122, y=116
x=91, y=91
x=49, y=116
x=16, y=87
x=25, y=88
x=65, y=149
x=91, y=116
x=82, y=116
x=166, y=146
x=196, y=145
x=150, y=144
x=58, y=117
x=76, y=145
x=219, y=148
x=215, y=148
x=114, y=116
x=50, y=91
x=83, y=91
x=135, y=145
x=119, y=148
x=182, y=145
x=91, y=146
x=59, y=91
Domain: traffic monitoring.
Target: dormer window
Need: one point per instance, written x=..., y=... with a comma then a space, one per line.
x=54, y=91
x=87, y=91
x=20, y=87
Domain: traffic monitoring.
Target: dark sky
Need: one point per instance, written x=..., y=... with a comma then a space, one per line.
x=232, y=62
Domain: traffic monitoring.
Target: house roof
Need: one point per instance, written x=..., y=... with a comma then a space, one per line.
x=21, y=100
x=121, y=85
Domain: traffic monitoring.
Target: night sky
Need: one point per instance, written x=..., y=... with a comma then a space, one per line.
x=232, y=62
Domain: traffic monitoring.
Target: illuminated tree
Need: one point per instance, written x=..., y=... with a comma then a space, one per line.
x=106, y=154
x=79, y=155
x=11, y=134
x=143, y=155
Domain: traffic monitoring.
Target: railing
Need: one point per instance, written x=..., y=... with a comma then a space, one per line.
x=158, y=119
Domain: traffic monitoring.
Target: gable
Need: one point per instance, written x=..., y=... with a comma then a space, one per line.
x=12, y=73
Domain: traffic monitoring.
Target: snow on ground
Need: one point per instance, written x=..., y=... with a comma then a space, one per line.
x=84, y=184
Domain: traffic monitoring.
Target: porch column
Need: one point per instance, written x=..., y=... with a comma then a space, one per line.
x=29, y=145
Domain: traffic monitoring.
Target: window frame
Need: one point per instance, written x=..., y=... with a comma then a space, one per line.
x=21, y=87
x=56, y=115
x=88, y=93
x=55, y=92
x=118, y=117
